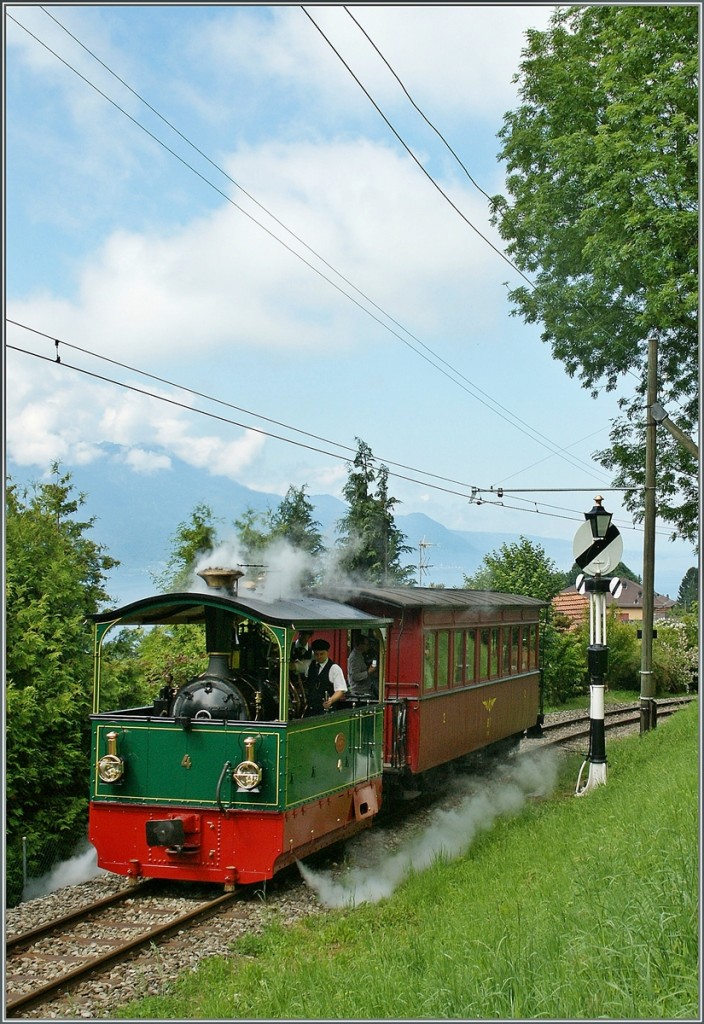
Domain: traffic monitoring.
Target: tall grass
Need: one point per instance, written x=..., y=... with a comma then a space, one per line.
x=576, y=908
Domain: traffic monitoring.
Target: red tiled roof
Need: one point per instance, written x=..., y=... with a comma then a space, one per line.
x=569, y=602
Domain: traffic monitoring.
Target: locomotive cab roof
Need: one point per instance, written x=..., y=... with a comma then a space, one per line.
x=298, y=612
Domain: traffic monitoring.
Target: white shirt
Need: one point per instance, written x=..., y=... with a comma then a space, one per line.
x=336, y=677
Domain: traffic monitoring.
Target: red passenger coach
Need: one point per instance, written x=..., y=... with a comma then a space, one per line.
x=462, y=671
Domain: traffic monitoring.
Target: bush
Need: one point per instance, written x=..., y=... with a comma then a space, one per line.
x=674, y=657
x=564, y=664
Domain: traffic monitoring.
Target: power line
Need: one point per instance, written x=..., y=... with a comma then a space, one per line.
x=415, y=158
x=223, y=419
x=220, y=401
x=448, y=147
x=494, y=407
x=416, y=107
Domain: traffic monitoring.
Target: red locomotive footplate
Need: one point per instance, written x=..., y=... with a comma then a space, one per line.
x=230, y=847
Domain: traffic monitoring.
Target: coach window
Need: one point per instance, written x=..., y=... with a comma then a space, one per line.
x=459, y=673
x=534, y=647
x=494, y=654
x=506, y=650
x=443, y=673
x=515, y=645
x=470, y=655
x=429, y=662
x=484, y=654
x=526, y=648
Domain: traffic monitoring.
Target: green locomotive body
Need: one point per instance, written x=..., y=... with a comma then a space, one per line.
x=229, y=779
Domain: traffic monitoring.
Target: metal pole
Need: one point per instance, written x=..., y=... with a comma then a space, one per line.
x=647, y=683
x=597, y=659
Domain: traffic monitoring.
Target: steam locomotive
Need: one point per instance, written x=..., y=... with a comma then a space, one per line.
x=231, y=777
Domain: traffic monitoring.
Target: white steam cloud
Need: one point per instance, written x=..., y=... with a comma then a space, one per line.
x=282, y=571
x=82, y=867
x=448, y=834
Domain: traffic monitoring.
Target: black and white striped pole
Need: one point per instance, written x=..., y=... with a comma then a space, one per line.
x=597, y=549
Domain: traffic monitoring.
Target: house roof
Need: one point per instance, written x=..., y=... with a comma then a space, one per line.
x=572, y=603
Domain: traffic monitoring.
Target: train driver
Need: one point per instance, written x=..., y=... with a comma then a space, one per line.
x=326, y=684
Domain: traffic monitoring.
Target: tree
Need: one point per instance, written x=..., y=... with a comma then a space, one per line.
x=688, y=594
x=167, y=655
x=293, y=521
x=191, y=539
x=370, y=542
x=621, y=571
x=675, y=656
x=54, y=579
x=518, y=568
x=254, y=530
x=602, y=220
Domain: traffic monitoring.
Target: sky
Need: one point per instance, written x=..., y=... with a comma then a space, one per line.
x=216, y=204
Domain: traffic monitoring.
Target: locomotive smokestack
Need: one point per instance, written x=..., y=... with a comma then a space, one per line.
x=222, y=579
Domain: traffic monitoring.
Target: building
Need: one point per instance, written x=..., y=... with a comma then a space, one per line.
x=629, y=603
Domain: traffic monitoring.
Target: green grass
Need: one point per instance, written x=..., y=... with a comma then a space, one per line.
x=575, y=908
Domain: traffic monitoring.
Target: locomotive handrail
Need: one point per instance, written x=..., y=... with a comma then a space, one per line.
x=225, y=768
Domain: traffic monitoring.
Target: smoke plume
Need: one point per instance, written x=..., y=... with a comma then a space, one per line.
x=81, y=867
x=449, y=833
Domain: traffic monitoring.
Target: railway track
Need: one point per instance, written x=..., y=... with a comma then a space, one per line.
x=46, y=962
x=564, y=730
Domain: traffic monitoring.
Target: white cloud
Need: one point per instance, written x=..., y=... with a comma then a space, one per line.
x=145, y=462
x=453, y=59
x=68, y=419
x=220, y=283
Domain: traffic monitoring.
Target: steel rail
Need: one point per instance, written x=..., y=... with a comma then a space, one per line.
x=578, y=728
x=25, y=938
x=664, y=707
x=57, y=985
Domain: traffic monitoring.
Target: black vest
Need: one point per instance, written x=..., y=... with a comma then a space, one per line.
x=318, y=687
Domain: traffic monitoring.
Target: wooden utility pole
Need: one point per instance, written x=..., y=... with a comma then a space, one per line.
x=647, y=683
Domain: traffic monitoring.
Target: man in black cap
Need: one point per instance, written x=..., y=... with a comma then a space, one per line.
x=326, y=684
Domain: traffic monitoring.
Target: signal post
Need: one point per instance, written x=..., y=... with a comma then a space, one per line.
x=597, y=549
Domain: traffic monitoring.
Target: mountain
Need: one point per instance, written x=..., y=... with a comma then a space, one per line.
x=136, y=517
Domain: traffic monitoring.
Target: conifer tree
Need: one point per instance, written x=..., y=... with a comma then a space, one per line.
x=371, y=544
x=55, y=578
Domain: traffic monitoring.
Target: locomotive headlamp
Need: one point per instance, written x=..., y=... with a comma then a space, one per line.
x=248, y=774
x=111, y=767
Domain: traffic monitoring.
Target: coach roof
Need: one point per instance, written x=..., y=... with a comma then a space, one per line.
x=433, y=597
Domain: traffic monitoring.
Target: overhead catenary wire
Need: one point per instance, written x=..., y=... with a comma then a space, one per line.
x=496, y=407
x=555, y=450
x=442, y=139
x=422, y=114
x=415, y=158
x=56, y=360
x=219, y=401
x=210, y=415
